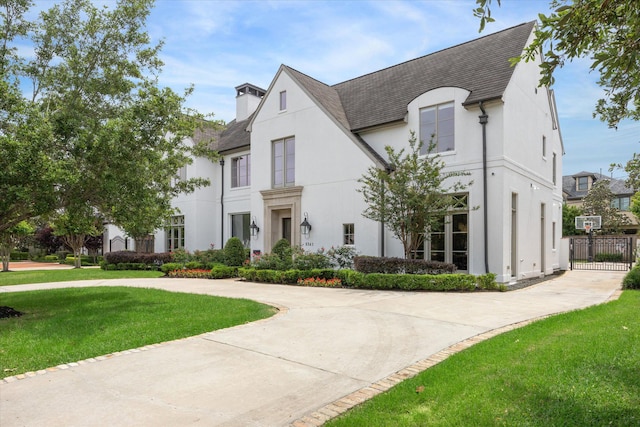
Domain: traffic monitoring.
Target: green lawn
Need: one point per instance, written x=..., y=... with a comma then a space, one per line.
x=45, y=276
x=66, y=325
x=576, y=369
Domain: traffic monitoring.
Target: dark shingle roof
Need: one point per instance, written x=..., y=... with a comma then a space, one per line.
x=617, y=186
x=480, y=66
x=235, y=136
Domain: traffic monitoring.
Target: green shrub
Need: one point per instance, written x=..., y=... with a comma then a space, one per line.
x=487, y=282
x=234, y=252
x=19, y=256
x=170, y=266
x=632, y=279
x=84, y=260
x=308, y=261
x=195, y=265
x=209, y=256
x=224, y=272
x=342, y=257
x=51, y=258
x=282, y=249
x=608, y=257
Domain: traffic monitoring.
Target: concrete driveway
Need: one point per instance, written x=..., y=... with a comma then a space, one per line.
x=326, y=350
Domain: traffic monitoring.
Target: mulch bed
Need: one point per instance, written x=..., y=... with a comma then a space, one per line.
x=6, y=312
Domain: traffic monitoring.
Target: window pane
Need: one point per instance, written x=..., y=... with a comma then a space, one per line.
x=291, y=161
x=283, y=100
x=437, y=241
x=278, y=163
x=460, y=260
x=427, y=127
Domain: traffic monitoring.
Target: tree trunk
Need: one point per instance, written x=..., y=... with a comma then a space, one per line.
x=5, y=253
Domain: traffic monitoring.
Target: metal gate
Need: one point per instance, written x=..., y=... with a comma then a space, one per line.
x=601, y=253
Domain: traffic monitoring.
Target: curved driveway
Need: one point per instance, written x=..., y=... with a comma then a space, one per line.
x=323, y=346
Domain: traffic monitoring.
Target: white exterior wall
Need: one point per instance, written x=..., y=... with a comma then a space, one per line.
x=527, y=118
x=200, y=210
x=236, y=200
x=327, y=165
x=467, y=157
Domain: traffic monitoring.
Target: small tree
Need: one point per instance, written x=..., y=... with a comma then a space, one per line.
x=75, y=225
x=47, y=240
x=411, y=197
x=12, y=237
x=598, y=202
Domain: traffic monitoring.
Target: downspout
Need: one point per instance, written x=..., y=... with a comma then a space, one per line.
x=222, y=203
x=484, y=119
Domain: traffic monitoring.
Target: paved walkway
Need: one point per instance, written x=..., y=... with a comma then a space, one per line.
x=327, y=350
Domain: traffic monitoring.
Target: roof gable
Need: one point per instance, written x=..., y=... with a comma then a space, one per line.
x=480, y=66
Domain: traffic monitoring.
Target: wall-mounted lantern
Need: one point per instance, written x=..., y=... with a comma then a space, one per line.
x=305, y=227
x=254, y=228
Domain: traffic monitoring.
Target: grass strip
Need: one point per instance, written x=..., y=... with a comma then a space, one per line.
x=68, y=275
x=66, y=325
x=576, y=369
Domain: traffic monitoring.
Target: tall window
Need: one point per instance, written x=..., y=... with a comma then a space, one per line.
x=582, y=183
x=284, y=162
x=349, y=234
x=283, y=100
x=240, y=228
x=554, y=169
x=448, y=239
x=437, y=124
x=241, y=171
x=544, y=146
x=175, y=233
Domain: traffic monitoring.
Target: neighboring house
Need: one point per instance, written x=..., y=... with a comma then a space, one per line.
x=575, y=188
x=295, y=152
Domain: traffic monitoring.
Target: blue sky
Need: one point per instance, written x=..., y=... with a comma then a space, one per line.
x=217, y=45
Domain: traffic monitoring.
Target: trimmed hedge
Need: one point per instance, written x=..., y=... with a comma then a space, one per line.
x=51, y=258
x=378, y=281
x=127, y=266
x=19, y=256
x=153, y=260
x=608, y=257
x=385, y=265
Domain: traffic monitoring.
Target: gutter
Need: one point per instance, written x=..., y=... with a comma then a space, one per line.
x=484, y=119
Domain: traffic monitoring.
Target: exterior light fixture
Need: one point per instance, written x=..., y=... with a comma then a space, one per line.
x=254, y=228
x=305, y=227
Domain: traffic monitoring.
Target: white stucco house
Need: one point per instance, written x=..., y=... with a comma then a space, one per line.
x=296, y=150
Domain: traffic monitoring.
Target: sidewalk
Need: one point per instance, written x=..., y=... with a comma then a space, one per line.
x=327, y=347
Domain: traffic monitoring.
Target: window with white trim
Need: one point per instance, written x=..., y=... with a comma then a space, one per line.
x=437, y=126
x=582, y=183
x=283, y=100
x=241, y=171
x=284, y=162
x=175, y=233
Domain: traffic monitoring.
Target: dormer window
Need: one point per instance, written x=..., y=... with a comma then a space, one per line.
x=582, y=183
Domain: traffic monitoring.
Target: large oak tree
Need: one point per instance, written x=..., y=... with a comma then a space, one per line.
x=96, y=129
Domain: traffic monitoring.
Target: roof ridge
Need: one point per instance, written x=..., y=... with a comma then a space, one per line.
x=432, y=53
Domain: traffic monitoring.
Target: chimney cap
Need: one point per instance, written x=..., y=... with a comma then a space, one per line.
x=248, y=88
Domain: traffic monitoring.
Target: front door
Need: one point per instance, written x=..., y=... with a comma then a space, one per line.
x=286, y=229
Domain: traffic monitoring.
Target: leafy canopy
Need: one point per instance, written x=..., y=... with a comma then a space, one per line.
x=96, y=129
x=606, y=32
